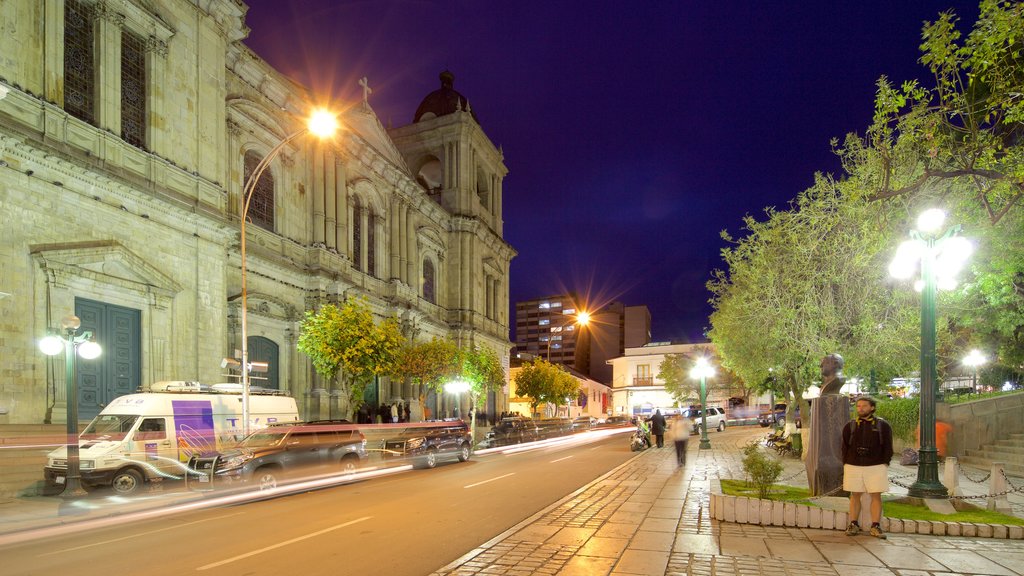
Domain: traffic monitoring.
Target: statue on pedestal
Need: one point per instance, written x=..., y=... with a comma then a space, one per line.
x=829, y=413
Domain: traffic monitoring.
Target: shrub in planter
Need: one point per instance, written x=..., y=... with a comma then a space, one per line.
x=762, y=469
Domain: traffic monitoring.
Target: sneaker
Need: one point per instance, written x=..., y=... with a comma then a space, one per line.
x=853, y=529
x=876, y=531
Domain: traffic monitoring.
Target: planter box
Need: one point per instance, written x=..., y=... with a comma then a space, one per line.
x=744, y=510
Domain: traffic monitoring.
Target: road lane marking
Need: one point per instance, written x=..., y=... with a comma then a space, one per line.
x=280, y=544
x=176, y=526
x=491, y=480
x=560, y=459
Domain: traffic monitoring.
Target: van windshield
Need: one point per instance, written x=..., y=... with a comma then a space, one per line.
x=109, y=427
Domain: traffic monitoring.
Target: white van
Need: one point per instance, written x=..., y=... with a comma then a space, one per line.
x=140, y=437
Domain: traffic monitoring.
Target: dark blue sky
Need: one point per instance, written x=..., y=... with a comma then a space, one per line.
x=633, y=131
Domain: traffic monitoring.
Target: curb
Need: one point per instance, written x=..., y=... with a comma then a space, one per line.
x=455, y=564
x=744, y=510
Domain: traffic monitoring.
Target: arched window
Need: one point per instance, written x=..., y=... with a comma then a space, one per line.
x=261, y=205
x=428, y=281
x=357, y=234
x=371, y=244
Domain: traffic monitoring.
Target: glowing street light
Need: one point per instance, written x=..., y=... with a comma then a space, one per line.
x=973, y=360
x=322, y=124
x=84, y=345
x=703, y=370
x=940, y=257
x=581, y=319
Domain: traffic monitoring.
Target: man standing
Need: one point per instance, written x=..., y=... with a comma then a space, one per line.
x=867, y=450
x=658, y=428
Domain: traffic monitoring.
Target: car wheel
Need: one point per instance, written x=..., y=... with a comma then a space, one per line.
x=721, y=426
x=464, y=452
x=349, y=463
x=266, y=478
x=430, y=460
x=126, y=482
x=763, y=424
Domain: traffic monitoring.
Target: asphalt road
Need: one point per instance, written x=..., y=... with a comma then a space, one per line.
x=410, y=523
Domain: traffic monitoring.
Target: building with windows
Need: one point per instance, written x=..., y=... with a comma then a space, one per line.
x=548, y=328
x=637, y=387
x=127, y=130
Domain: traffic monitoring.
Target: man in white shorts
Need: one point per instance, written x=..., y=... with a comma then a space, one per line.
x=867, y=450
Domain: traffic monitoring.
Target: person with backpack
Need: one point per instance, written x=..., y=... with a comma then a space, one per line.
x=867, y=451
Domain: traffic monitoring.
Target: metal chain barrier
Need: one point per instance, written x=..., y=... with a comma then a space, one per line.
x=964, y=472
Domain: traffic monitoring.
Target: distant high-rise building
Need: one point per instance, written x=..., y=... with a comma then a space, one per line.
x=548, y=328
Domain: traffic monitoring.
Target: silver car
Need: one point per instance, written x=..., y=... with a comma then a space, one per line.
x=715, y=419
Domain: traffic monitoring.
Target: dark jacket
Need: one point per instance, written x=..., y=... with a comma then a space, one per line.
x=658, y=424
x=867, y=443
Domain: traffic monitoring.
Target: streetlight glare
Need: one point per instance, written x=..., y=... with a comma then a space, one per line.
x=904, y=264
x=702, y=369
x=89, y=350
x=51, y=345
x=974, y=358
x=456, y=386
x=953, y=254
x=323, y=124
x=931, y=220
x=583, y=318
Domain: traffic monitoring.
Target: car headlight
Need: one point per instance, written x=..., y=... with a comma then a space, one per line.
x=234, y=462
x=87, y=464
x=414, y=443
x=58, y=463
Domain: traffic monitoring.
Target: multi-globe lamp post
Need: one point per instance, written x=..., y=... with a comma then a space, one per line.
x=70, y=342
x=973, y=360
x=322, y=124
x=939, y=254
x=702, y=370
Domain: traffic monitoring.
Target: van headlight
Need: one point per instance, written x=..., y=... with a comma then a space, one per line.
x=234, y=462
x=87, y=464
x=414, y=443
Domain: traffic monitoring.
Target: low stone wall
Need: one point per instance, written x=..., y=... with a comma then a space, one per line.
x=981, y=422
x=743, y=510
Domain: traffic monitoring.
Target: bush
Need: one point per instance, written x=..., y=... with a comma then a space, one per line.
x=762, y=470
x=902, y=414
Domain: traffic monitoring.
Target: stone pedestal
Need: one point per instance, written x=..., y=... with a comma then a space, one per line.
x=824, y=449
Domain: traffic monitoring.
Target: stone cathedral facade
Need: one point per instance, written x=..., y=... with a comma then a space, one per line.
x=127, y=129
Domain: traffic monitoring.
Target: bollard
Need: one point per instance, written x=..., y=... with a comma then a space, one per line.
x=997, y=485
x=951, y=476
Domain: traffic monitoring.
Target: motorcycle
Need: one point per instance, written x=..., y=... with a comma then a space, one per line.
x=639, y=440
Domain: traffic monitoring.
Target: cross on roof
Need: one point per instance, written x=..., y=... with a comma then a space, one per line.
x=366, y=89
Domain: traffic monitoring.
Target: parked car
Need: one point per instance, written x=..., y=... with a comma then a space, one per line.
x=715, y=418
x=425, y=445
x=615, y=422
x=513, y=430
x=552, y=427
x=779, y=413
x=266, y=456
x=583, y=423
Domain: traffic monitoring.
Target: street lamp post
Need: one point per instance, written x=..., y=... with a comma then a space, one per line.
x=321, y=124
x=703, y=370
x=941, y=256
x=71, y=343
x=581, y=319
x=771, y=398
x=974, y=360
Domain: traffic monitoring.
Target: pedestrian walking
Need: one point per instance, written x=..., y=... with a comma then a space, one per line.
x=682, y=436
x=658, y=428
x=867, y=451
x=394, y=413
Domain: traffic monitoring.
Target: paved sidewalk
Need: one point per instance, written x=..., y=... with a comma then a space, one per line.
x=650, y=517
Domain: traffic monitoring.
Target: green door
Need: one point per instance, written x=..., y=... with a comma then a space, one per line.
x=118, y=371
x=264, y=350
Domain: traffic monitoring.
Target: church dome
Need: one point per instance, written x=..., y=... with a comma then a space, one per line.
x=443, y=101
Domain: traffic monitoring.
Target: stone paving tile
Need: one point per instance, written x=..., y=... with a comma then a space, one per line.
x=850, y=570
x=847, y=554
x=587, y=566
x=659, y=541
x=695, y=543
x=741, y=546
x=571, y=536
x=793, y=550
x=604, y=547
x=615, y=530
x=969, y=562
x=905, y=557
x=660, y=524
x=643, y=562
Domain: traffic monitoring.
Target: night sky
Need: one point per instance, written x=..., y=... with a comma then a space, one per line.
x=634, y=132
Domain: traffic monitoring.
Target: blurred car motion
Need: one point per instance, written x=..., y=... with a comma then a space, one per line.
x=426, y=445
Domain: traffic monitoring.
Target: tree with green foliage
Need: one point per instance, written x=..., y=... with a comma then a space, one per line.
x=347, y=342
x=430, y=363
x=673, y=372
x=481, y=368
x=544, y=382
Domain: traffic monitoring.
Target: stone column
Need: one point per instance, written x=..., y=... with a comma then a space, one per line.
x=341, y=208
x=829, y=414
x=364, y=223
x=403, y=246
x=393, y=240
x=319, y=202
x=108, y=66
x=411, y=272
x=330, y=199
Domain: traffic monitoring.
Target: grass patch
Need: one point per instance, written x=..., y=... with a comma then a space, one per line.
x=776, y=492
x=908, y=509
x=902, y=508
